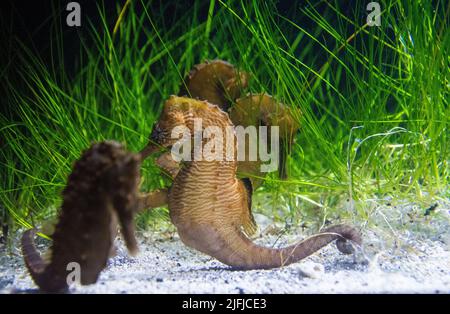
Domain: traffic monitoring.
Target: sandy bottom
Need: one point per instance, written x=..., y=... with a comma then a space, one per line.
x=403, y=260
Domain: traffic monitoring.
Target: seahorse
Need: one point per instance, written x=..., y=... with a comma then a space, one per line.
x=220, y=83
x=101, y=193
x=211, y=207
x=263, y=110
x=216, y=81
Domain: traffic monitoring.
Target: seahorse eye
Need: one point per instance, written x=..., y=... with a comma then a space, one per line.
x=158, y=134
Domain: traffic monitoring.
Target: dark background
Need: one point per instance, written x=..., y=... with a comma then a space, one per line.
x=32, y=22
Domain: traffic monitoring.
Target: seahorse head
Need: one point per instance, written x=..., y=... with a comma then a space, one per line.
x=183, y=112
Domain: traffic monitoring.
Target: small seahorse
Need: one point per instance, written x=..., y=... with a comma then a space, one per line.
x=211, y=207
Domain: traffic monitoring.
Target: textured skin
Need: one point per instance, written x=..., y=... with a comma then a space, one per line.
x=206, y=82
x=101, y=192
x=254, y=110
x=216, y=81
x=210, y=206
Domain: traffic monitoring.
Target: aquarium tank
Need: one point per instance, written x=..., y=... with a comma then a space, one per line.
x=221, y=147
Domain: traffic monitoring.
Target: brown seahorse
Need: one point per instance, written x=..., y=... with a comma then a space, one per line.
x=220, y=83
x=264, y=110
x=216, y=81
x=211, y=207
x=101, y=192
